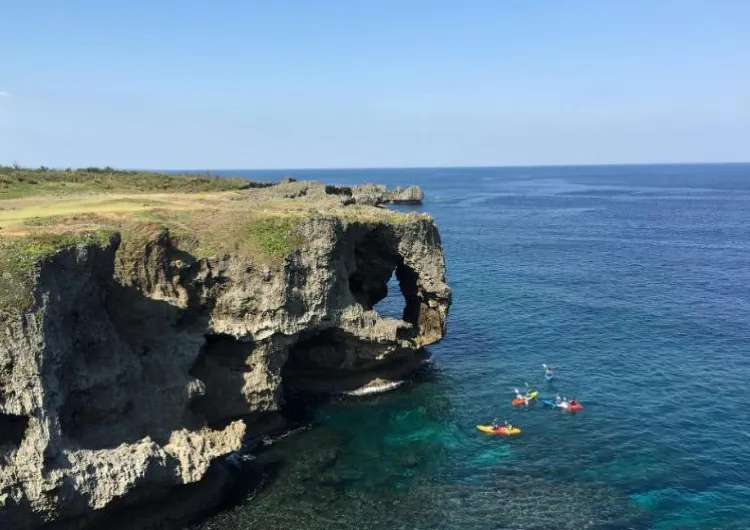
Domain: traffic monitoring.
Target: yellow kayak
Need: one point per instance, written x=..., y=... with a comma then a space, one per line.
x=501, y=431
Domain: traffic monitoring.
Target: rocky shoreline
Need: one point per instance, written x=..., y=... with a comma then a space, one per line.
x=141, y=364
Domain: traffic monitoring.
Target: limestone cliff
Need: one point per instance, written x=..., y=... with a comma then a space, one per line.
x=140, y=362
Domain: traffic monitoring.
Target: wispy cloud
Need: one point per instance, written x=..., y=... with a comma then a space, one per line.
x=4, y=94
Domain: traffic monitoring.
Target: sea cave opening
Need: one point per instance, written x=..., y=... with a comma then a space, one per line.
x=382, y=281
x=394, y=302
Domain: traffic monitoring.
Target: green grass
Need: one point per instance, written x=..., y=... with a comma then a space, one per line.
x=254, y=236
x=274, y=235
x=18, y=255
x=18, y=182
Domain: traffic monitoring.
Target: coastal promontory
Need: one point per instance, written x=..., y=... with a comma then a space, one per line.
x=150, y=323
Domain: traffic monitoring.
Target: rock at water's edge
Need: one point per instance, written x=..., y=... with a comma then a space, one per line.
x=410, y=195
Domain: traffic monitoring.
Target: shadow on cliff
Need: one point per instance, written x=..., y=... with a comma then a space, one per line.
x=334, y=361
x=126, y=375
x=12, y=429
x=129, y=338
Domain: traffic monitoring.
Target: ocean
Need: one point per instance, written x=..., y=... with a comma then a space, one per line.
x=632, y=282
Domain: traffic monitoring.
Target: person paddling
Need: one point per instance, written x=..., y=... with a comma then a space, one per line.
x=548, y=373
x=523, y=398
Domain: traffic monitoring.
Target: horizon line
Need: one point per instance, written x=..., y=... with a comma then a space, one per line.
x=488, y=166
x=381, y=168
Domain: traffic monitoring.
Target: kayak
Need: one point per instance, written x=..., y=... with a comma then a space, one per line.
x=524, y=400
x=500, y=431
x=569, y=408
x=548, y=377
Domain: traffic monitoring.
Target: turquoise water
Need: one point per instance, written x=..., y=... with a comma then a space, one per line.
x=634, y=283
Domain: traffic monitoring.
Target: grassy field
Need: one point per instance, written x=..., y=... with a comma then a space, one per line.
x=22, y=182
x=16, y=214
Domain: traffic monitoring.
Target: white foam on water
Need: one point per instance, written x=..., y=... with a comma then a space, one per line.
x=375, y=389
x=268, y=440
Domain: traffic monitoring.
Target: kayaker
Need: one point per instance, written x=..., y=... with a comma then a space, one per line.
x=495, y=424
x=548, y=371
x=558, y=399
x=573, y=402
x=508, y=427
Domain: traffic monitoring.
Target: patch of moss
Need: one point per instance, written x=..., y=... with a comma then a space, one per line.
x=19, y=255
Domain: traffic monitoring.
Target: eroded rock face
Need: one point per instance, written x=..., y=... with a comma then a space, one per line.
x=410, y=195
x=129, y=375
x=363, y=194
x=376, y=194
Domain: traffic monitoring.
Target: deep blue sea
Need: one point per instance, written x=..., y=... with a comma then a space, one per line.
x=633, y=282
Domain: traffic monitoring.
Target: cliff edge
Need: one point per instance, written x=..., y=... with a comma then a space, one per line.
x=144, y=335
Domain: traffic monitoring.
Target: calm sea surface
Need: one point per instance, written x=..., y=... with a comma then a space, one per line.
x=632, y=282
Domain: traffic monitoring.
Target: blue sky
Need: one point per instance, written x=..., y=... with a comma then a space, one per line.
x=350, y=83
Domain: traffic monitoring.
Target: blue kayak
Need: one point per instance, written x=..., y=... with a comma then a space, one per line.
x=548, y=377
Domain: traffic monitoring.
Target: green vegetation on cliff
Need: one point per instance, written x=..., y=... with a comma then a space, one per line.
x=18, y=255
x=21, y=182
x=258, y=236
x=274, y=235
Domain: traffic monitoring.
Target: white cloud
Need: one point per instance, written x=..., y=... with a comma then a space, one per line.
x=4, y=94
